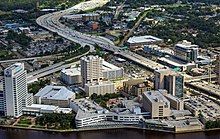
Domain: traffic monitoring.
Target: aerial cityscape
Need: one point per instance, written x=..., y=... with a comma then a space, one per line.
x=109, y=69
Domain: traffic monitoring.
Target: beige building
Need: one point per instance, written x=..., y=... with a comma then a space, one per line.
x=91, y=69
x=175, y=102
x=127, y=85
x=99, y=88
x=156, y=104
x=141, y=87
x=169, y=80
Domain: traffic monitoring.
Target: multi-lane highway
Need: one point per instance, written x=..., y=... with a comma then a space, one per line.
x=31, y=77
x=27, y=59
x=199, y=78
x=51, y=22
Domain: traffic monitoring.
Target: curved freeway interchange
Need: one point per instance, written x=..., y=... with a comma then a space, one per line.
x=51, y=23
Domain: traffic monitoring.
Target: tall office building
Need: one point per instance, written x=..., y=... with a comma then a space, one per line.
x=169, y=80
x=91, y=69
x=156, y=104
x=15, y=91
x=186, y=51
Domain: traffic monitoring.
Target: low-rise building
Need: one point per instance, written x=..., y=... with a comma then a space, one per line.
x=111, y=71
x=127, y=85
x=158, y=51
x=136, y=41
x=184, y=125
x=38, y=109
x=25, y=30
x=71, y=76
x=54, y=95
x=91, y=114
x=73, y=17
x=138, y=89
x=181, y=114
x=156, y=104
x=99, y=88
x=91, y=17
x=175, y=63
x=82, y=17
x=203, y=107
x=175, y=102
x=88, y=112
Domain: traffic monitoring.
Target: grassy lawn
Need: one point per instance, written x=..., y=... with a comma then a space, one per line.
x=22, y=125
x=24, y=121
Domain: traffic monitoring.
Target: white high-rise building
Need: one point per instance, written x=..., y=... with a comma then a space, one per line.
x=91, y=69
x=15, y=90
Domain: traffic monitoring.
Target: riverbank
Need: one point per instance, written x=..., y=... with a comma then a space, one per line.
x=104, y=128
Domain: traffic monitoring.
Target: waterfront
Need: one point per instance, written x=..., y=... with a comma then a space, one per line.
x=104, y=134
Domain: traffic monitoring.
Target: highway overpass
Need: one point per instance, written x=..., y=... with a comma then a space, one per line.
x=51, y=23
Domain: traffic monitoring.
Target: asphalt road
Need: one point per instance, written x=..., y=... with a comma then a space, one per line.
x=51, y=22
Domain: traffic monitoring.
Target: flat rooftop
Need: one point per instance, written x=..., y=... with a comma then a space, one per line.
x=207, y=107
x=172, y=97
x=156, y=96
x=143, y=39
x=166, y=71
x=87, y=105
x=55, y=92
x=87, y=108
x=183, y=123
x=130, y=104
x=186, y=45
x=175, y=62
x=108, y=66
x=41, y=107
x=72, y=71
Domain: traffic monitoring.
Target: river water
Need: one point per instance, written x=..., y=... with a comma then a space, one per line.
x=104, y=134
